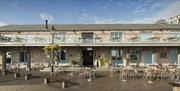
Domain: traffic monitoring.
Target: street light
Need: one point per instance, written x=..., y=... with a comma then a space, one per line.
x=52, y=50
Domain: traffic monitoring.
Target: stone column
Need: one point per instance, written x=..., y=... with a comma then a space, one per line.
x=178, y=57
x=2, y=58
x=154, y=57
x=28, y=60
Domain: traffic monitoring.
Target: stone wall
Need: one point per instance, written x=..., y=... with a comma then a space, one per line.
x=75, y=53
x=38, y=55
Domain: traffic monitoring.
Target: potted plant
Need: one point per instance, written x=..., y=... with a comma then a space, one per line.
x=104, y=62
x=74, y=62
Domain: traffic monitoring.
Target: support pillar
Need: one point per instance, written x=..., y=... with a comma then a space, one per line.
x=28, y=61
x=2, y=59
x=154, y=57
x=178, y=57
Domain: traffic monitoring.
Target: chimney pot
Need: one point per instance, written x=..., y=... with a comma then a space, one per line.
x=46, y=24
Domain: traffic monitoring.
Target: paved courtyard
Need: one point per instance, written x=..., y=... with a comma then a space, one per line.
x=104, y=82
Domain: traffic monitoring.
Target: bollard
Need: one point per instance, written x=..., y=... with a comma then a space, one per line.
x=26, y=77
x=46, y=80
x=15, y=75
x=63, y=84
x=3, y=73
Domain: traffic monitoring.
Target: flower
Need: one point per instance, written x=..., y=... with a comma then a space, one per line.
x=51, y=47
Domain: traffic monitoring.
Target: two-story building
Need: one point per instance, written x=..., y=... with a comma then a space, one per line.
x=140, y=43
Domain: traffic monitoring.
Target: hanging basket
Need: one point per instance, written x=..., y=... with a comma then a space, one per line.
x=48, y=48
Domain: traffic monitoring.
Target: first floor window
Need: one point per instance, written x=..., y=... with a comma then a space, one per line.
x=59, y=37
x=116, y=36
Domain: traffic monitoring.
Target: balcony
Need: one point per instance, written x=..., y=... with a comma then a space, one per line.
x=78, y=40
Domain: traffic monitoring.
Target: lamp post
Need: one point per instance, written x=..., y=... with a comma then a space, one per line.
x=52, y=50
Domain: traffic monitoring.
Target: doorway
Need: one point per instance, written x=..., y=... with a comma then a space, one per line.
x=87, y=57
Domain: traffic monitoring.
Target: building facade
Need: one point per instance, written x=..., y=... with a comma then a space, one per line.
x=139, y=43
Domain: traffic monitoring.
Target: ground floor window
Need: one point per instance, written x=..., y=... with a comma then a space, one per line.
x=116, y=56
x=8, y=57
x=134, y=55
x=173, y=56
x=23, y=57
x=62, y=56
x=148, y=56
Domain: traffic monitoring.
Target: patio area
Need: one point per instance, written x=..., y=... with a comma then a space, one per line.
x=104, y=81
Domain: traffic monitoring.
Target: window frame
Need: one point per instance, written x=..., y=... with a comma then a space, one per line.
x=134, y=52
x=116, y=36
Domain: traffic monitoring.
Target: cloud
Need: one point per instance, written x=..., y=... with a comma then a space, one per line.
x=172, y=9
x=133, y=21
x=156, y=6
x=46, y=16
x=14, y=4
x=104, y=7
x=86, y=18
x=149, y=6
x=3, y=24
x=161, y=12
x=119, y=4
x=83, y=10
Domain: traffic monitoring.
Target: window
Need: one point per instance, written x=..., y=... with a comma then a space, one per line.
x=87, y=37
x=8, y=57
x=23, y=57
x=59, y=37
x=145, y=36
x=175, y=34
x=62, y=56
x=116, y=36
x=38, y=38
x=116, y=56
x=134, y=55
x=163, y=55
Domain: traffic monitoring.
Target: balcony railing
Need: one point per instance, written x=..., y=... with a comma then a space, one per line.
x=78, y=39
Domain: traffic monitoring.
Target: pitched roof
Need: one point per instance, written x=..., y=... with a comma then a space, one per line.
x=65, y=27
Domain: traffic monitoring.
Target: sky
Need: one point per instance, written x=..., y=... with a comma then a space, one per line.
x=86, y=11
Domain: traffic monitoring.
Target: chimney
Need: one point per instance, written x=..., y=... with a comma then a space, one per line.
x=46, y=24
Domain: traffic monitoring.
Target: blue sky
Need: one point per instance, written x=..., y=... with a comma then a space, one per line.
x=86, y=11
